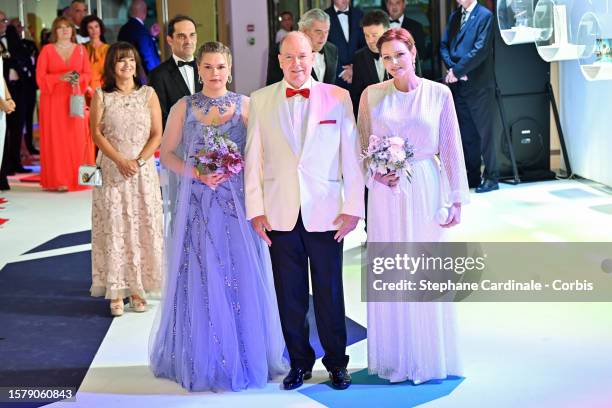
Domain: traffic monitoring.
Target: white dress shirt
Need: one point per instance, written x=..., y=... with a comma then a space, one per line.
x=398, y=25
x=344, y=22
x=469, y=11
x=280, y=34
x=79, y=38
x=298, y=111
x=319, y=66
x=187, y=73
x=380, y=69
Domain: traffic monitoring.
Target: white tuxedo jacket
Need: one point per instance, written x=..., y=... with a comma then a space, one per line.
x=280, y=180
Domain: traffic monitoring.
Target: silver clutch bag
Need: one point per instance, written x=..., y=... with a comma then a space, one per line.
x=90, y=175
x=77, y=106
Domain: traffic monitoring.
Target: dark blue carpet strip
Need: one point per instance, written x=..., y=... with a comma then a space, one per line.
x=63, y=241
x=50, y=327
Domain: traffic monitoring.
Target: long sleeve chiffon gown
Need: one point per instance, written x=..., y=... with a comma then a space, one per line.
x=65, y=142
x=413, y=341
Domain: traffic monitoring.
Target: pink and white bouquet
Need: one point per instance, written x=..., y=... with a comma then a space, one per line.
x=388, y=154
x=219, y=155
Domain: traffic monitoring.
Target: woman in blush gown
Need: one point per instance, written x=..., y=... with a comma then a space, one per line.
x=218, y=328
x=409, y=340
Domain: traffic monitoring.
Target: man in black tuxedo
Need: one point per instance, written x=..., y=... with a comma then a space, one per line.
x=396, y=9
x=178, y=75
x=467, y=52
x=315, y=24
x=368, y=67
x=346, y=34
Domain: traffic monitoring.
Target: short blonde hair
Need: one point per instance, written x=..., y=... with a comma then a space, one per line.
x=214, y=47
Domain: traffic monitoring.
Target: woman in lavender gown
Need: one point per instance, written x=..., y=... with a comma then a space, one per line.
x=218, y=326
x=409, y=340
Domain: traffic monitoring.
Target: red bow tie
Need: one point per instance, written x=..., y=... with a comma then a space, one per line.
x=292, y=92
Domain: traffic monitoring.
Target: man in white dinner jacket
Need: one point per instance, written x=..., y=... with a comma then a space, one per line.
x=302, y=154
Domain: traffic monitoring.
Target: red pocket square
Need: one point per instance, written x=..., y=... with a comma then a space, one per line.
x=327, y=122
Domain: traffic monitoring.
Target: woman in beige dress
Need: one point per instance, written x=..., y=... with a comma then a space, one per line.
x=127, y=209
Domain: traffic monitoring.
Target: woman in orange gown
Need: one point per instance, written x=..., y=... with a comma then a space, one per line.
x=64, y=140
x=97, y=48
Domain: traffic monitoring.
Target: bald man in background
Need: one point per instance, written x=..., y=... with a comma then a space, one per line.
x=135, y=32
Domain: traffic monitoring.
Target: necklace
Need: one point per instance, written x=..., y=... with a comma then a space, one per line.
x=63, y=46
x=223, y=103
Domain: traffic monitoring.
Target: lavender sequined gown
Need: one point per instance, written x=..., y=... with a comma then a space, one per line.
x=219, y=327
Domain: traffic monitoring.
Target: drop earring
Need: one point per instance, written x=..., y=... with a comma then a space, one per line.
x=229, y=79
x=199, y=79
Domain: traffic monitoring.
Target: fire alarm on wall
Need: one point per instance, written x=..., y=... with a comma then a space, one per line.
x=250, y=28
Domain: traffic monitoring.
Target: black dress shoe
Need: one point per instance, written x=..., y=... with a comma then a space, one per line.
x=340, y=378
x=486, y=186
x=296, y=378
x=474, y=184
x=22, y=170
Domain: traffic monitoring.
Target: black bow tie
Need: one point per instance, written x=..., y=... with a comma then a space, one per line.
x=191, y=63
x=342, y=12
x=395, y=21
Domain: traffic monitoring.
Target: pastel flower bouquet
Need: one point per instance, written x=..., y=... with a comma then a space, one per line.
x=388, y=154
x=219, y=155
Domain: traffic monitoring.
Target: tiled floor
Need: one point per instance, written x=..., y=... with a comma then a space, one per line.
x=514, y=354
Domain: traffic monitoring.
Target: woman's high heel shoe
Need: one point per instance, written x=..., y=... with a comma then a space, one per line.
x=138, y=304
x=116, y=308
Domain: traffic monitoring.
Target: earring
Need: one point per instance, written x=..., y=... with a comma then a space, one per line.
x=229, y=79
x=199, y=79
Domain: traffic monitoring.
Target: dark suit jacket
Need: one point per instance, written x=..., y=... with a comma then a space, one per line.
x=330, y=54
x=346, y=50
x=418, y=33
x=469, y=51
x=364, y=75
x=137, y=34
x=170, y=86
x=20, y=60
